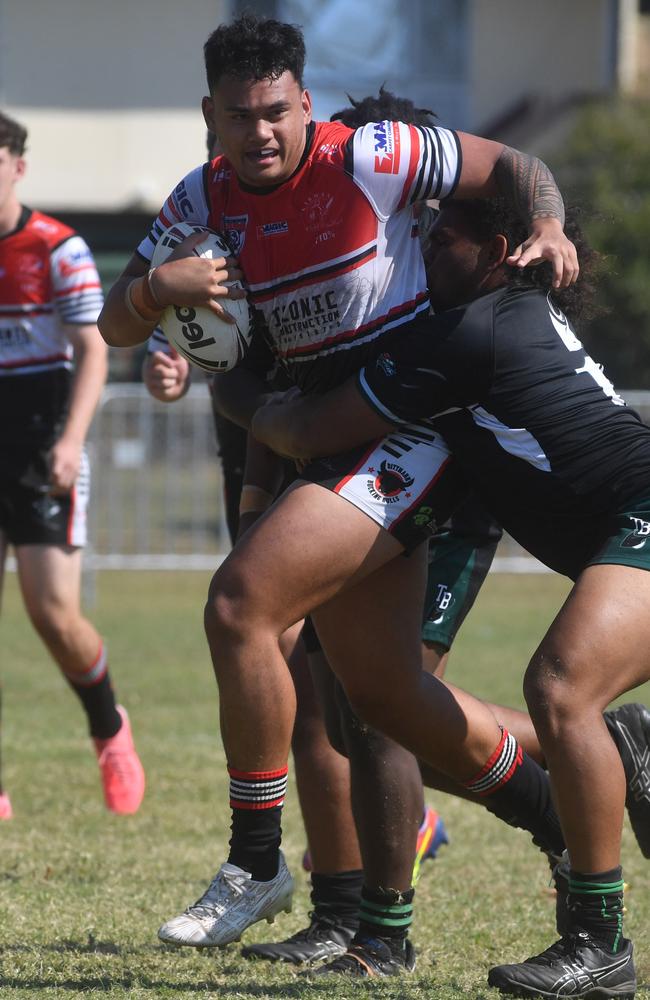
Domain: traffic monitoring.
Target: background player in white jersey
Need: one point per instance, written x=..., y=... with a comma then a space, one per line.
x=52, y=370
x=282, y=168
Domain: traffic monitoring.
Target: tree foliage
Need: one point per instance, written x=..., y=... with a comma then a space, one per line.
x=605, y=168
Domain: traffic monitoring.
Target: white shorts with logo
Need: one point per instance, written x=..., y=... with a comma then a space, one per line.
x=407, y=482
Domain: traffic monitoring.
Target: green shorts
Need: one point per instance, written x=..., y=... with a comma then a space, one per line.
x=628, y=543
x=458, y=564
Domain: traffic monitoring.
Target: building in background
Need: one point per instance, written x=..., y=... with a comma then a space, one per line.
x=111, y=92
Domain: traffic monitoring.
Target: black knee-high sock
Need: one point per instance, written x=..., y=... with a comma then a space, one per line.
x=95, y=692
x=518, y=791
x=256, y=799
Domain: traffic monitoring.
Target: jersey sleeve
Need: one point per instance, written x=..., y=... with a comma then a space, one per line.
x=188, y=202
x=158, y=342
x=397, y=164
x=443, y=365
x=76, y=286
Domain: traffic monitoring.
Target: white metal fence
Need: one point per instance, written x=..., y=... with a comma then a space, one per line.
x=156, y=485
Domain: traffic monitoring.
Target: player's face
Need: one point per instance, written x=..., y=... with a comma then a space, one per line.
x=12, y=168
x=260, y=125
x=457, y=264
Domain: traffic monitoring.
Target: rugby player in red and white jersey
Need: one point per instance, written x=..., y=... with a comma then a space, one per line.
x=52, y=370
x=320, y=216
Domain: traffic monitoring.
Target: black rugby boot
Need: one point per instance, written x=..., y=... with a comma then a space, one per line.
x=629, y=726
x=323, y=940
x=370, y=958
x=575, y=966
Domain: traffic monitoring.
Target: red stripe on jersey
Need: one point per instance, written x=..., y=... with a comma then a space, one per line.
x=34, y=362
x=362, y=461
x=413, y=163
x=75, y=289
x=305, y=280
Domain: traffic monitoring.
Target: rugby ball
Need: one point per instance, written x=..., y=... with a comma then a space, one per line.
x=196, y=332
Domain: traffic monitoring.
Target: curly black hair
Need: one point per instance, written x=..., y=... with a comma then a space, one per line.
x=384, y=107
x=491, y=217
x=253, y=48
x=13, y=135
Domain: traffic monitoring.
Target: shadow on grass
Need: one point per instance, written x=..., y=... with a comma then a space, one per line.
x=106, y=983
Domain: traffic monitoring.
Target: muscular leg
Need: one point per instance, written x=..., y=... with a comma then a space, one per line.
x=322, y=779
x=371, y=637
x=597, y=648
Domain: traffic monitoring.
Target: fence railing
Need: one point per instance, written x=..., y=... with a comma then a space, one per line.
x=156, y=499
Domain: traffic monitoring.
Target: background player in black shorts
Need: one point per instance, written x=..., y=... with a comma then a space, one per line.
x=52, y=370
x=565, y=465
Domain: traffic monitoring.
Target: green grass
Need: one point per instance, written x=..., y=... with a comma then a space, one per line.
x=83, y=892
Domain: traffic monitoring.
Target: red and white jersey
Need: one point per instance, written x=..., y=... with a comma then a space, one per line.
x=47, y=278
x=331, y=256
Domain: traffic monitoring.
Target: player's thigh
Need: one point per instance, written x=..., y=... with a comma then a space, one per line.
x=599, y=644
x=308, y=547
x=371, y=633
x=50, y=578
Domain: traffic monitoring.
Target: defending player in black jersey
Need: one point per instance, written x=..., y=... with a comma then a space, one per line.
x=565, y=466
x=343, y=199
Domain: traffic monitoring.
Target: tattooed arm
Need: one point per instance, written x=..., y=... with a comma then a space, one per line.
x=491, y=169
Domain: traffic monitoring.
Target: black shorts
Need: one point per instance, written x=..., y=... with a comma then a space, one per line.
x=30, y=514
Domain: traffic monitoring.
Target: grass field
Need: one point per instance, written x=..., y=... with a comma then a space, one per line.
x=83, y=892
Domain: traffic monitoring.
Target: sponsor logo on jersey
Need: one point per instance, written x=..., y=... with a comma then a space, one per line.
x=389, y=482
x=234, y=229
x=387, y=147
x=46, y=227
x=75, y=263
x=272, y=229
x=328, y=148
x=639, y=535
x=308, y=314
x=182, y=199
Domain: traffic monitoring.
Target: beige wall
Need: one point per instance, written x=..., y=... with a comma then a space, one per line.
x=110, y=92
x=549, y=48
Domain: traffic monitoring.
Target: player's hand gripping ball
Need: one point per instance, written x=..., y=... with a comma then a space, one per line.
x=196, y=332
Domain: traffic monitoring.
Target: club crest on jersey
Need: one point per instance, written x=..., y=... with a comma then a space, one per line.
x=390, y=482
x=387, y=147
x=320, y=213
x=234, y=228
x=639, y=535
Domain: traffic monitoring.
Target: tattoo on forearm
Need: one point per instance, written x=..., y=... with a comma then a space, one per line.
x=529, y=185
